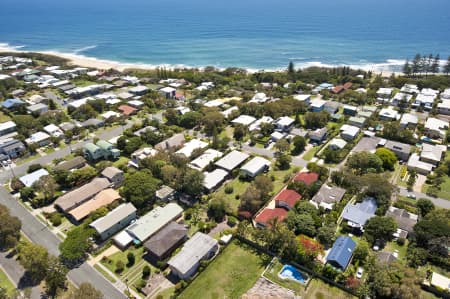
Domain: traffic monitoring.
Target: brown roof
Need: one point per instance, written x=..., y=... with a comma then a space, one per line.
x=76, y=162
x=78, y=196
x=103, y=198
x=166, y=239
x=127, y=110
x=110, y=172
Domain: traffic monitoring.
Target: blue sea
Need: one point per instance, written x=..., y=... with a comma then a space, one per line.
x=253, y=34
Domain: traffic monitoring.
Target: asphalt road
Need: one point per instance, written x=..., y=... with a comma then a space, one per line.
x=440, y=202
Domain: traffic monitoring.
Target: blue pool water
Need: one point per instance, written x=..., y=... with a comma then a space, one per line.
x=290, y=272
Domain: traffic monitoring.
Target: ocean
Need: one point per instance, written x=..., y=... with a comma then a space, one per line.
x=368, y=34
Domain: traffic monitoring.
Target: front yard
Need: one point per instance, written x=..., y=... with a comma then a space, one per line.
x=228, y=276
x=5, y=283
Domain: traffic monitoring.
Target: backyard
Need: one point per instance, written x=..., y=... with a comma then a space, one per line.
x=230, y=275
x=320, y=290
x=272, y=274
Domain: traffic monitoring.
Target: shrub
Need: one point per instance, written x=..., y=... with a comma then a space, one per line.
x=16, y=184
x=141, y=284
x=131, y=259
x=33, y=167
x=232, y=221
x=401, y=241
x=55, y=219
x=119, y=266
x=146, y=271
x=229, y=189
x=237, y=196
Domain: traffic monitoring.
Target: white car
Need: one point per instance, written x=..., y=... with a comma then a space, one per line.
x=411, y=195
x=359, y=272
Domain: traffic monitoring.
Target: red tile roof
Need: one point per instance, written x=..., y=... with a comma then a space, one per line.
x=289, y=197
x=127, y=110
x=306, y=177
x=337, y=89
x=348, y=85
x=268, y=214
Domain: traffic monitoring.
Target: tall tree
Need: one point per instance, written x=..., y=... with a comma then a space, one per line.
x=56, y=276
x=447, y=66
x=9, y=229
x=407, y=68
x=86, y=291
x=47, y=186
x=436, y=64
x=34, y=258
x=416, y=64
x=379, y=228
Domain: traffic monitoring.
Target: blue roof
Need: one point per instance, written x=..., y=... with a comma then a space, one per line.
x=11, y=103
x=342, y=251
x=359, y=213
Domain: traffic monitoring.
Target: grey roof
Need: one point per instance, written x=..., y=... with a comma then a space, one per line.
x=110, y=172
x=255, y=165
x=66, y=126
x=77, y=196
x=193, y=251
x=166, y=239
x=164, y=191
x=214, y=178
x=398, y=147
x=91, y=122
x=174, y=141
x=37, y=107
x=153, y=221
x=361, y=212
x=366, y=144
x=11, y=145
x=76, y=162
x=341, y=252
x=118, y=214
x=319, y=133
x=232, y=160
x=404, y=219
x=386, y=257
x=329, y=194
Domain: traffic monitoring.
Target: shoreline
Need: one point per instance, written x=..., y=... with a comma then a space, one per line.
x=104, y=64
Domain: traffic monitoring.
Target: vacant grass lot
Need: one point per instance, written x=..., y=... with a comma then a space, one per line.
x=320, y=290
x=228, y=276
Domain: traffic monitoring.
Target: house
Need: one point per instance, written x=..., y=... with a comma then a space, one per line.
x=127, y=110
x=341, y=253
x=37, y=108
x=327, y=196
x=140, y=155
x=232, y=160
x=349, y=132
x=435, y=128
x=254, y=167
x=357, y=121
x=53, y=130
x=337, y=144
x=188, y=149
x=12, y=148
x=332, y=107
x=39, y=138
x=410, y=88
x=284, y=123
x=114, y=175
x=92, y=122
x=444, y=107
x=267, y=215
x=186, y=262
x=153, y=221
x=357, y=214
x=136, y=103
x=101, y=150
x=125, y=95
x=350, y=110
x=384, y=92
x=259, y=98
x=139, y=90
x=108, y=149
x=276, y=136
x=114, y=221
x=175, y=141
x=421, y=167
x=29, y=179
x=405, y=220
x=101, y=199
x=305, y=98
x=168, y=92
x=337, y=89
x=365, y=114
x=386, y=257
x=145, y=130
x=287, y=199
x=209, y=156
x=432, y=153
x=75, y=163
x=440, y=282
x=182, y=110
x=229, y=111
x=308, y=178
x=244, y=120
x=445, y=95
x=164, y=242
x=409, y=121
x=401, y=98
x=7, y=128
x=424, y=100
x=76, y=197
x=213, y=179
x=317, y=105
x=389, y=114
x=110, y=115
x=318, y=135
x=401, y=150
x=11, y=104
x=165, y=193
x=367, y=144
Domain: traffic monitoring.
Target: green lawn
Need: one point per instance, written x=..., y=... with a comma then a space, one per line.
x=4, y=117
x=6, y=283
x=105, y=274
x=320, y=290
x=391, y=246
x=272, y=274
x=229, y=276
x=122, y=255
x=238, y=189
x=445, y=188
x=310, y=154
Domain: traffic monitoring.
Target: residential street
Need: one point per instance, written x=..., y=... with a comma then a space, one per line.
x=440, y=202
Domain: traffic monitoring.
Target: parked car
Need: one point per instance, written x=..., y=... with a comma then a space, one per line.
x=359, y=272
x=411, y=195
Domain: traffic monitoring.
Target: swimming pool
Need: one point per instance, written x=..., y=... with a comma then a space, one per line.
x=290, y=272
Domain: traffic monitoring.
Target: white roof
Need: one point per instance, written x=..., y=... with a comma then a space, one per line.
x=384, y=91
x=29, y=179
x=410, y=88
x=408, y=118
x=109, y=114
x=168, y=89
x=389, y=113
x=429, y=91
x=79, y=103
x=232, y=160
x=338, y=142
x=208, y=156
x=425, y=99
x=446, y=94
x=302, y=97
x=136, y=103
x=190, y=146
x=214, y=178
x=214, y=103
x=139, y=88
x=400, y=96
x=277, y=135
x=7, y=125
x=123, y=239
x=440, y=281
x=255, y=165
x=227, y=112
x=245, y=120
x=414, y=162
x=53, y=130
x=285, y=121
x=436, y=124
x=432, y=152
x=257, y=124
x=317, y=103
x=349, y=130
x=112, y=101
x=37, y=137
x=260, y=97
